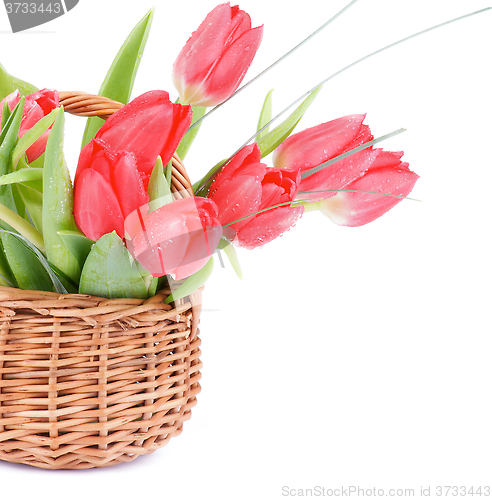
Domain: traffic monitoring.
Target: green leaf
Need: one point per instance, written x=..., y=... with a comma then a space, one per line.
x=30, y=268
x=189, y=137
x=57, y=211
x=32, y=135
x=9, y=84
x=78, y=245
x=118, y=83
x=9, y=134
x=278, y=135
x=230, y=251
x=193, y=282
x=153, y=287
x=6, y=276
x=23, y=175
x=159, y=190
x=108, y=271
x=8, y=140
x=150, y=282
x=5, y=114
x=168, y=172
x=265, y=116
x=33, y=201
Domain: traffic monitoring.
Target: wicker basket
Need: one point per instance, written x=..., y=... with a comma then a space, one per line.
x=91, y=382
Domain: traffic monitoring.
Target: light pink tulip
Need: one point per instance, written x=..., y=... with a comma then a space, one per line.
x=212, y=64
x=387, y=175
x=176, y=239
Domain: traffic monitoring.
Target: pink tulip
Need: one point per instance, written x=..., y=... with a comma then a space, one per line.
x=114, y=168
x=36, y=106
x=176, y=239
x=371, y=169
x=387, y=175
x=246, y=186
x=212, y=64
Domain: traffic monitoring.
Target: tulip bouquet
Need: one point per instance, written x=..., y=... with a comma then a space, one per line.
x=100, y=274
x=123, y=228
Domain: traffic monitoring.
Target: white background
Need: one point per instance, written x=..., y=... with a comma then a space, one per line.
x=347, y=356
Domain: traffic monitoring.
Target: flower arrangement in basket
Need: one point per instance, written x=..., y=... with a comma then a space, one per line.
x=101, y=278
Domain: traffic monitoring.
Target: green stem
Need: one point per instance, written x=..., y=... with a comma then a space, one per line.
x=315, y=206
x=22, y=226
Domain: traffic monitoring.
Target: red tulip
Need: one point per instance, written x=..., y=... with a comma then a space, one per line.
x=114, y=168
x=212, y=64
x=246, y=186
x=36, y=106
x=176, y=239
x=371, y=169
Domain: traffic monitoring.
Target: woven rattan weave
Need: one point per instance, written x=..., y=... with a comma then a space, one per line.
x=91, y=382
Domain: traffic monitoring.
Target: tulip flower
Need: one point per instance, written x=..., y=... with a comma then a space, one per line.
x=371, y=169
x=176, y=239
x=212, y=64
x=358, y=205
x=36, y=106
x=246, y=186
x=114, y=168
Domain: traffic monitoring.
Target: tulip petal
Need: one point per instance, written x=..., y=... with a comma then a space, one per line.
x=246, y=156
x=356, y=209
x=149, y=126
x=237, y=198
x=267, y=226
x=338, y=175
x=315, y=145
x=96, y=208
x=240, y=22
x=177, y=238
x=231, y=68
x=47, y=99
x=201, y=51
x=388, y=159
x=202, y=245
x=128, y=184
x=32, y=114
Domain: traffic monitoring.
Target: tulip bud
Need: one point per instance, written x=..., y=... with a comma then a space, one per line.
x=212, y=64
